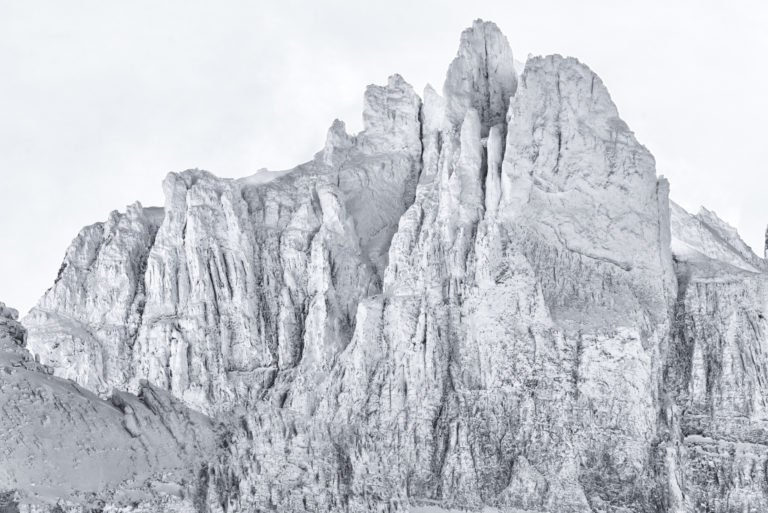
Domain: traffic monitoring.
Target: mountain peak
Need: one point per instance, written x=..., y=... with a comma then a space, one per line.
x=471, y=303
x=482, y=75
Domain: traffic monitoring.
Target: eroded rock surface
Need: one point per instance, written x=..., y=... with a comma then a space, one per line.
x=236, y=287
x=483, y=300
x=717, y=372
x=63, y=447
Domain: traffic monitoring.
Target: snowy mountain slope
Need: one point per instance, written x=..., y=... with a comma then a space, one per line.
x=483, y=301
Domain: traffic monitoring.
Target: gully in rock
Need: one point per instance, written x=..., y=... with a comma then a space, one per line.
x=482, y=301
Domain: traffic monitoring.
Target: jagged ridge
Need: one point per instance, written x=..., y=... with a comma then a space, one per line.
x=482, y=300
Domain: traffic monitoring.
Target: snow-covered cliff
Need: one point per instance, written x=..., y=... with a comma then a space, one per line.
x=483, y=300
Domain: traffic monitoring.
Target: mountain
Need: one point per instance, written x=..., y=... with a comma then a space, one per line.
x=63, y=447
x=716, y=370
x=484, y=300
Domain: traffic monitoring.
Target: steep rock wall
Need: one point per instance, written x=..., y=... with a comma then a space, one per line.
x=237, y=289
x=717, y=371
x=481, y=300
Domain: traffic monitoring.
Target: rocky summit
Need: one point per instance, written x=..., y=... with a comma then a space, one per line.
x=483, y=301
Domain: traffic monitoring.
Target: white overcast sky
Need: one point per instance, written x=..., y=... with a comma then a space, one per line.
x=100, y=99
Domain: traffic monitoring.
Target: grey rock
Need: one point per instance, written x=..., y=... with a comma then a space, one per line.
x=482, y=300
x=64, y=449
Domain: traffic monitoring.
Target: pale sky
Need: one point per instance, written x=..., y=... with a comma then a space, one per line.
x=100, y=99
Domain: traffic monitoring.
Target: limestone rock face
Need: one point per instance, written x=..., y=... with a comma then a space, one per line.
x=717, y=368
x=236, y=286
x=516, y=350
x=481, y=77
x=571, y=157
x=485, y=299
x=93, y=310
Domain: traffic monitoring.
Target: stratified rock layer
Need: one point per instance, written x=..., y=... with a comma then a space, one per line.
x=484, y=299
x=718, y=371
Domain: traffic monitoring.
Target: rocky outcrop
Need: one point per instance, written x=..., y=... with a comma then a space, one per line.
x=64, y=449
x=717, y=369
x=515, y=351
x=13, y=332
x=482, y=300
x=482, y=77
x=237, y=288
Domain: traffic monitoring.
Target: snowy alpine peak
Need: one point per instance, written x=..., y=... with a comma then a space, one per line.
x=482, y=76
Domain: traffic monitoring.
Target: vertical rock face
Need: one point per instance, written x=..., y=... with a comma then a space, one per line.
x=236, y=288
x=481, y=77
x=515, y=348
x=84, y=324
x=569, y=156
x=481, y=300
x=717, y=370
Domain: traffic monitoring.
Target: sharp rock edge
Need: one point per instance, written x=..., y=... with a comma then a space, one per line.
x=483, y=301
